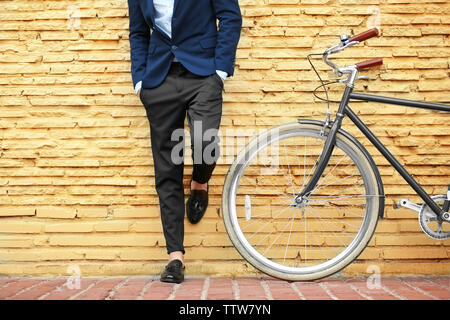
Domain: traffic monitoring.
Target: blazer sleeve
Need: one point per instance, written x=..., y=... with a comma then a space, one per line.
x=139, y=40
x=230, y=23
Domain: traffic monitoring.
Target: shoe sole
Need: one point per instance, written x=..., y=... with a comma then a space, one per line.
x=171, y=280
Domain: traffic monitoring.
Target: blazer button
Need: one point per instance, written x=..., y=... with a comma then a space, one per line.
x=174, y=47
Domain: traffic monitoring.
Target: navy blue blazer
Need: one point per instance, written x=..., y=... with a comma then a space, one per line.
x=196, y=42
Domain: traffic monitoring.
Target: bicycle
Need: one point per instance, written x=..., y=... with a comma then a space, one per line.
x=310, y=209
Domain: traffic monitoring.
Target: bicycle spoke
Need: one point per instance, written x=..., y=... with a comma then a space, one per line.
x=253, y=222
x=318, y=187
x=306, y=234
x=345, y=189
x=268, y=222
x=289, y=169
x=311, y=171
x=343, y=198
x=289, y=239
x=258, y=216
x=285, y=195
x=331, y=218
x=338, y=238
x=281, y=192
x=324, y=178
x=345, y=211
x=257, y=244
x=326, y=227
x=278, y=236
x=304, y=167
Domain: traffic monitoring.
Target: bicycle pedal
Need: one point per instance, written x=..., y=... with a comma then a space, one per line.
x=405, y=203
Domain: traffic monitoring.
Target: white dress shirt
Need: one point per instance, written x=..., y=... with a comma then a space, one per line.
x=163, y=15
x=163, y=19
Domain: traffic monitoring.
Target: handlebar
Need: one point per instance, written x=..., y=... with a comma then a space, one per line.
x=369, y=63
x=365, y=35
x=352, y=70
x=348, y=42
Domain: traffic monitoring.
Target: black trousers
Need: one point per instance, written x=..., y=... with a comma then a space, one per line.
x=200, y=97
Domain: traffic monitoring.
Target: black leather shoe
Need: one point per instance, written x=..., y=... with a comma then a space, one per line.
x=196, y=205
x=173, y=272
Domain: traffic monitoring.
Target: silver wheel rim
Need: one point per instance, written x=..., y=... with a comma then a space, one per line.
x=349, y=253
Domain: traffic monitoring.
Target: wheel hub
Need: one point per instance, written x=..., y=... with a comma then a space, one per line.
x=300, y=202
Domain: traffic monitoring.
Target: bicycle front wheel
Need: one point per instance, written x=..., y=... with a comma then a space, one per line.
x=311, y=239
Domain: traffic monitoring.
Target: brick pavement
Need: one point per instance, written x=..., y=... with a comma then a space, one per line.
x=212, y=288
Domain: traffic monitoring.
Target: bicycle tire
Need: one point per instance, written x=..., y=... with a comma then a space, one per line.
x=371, y=182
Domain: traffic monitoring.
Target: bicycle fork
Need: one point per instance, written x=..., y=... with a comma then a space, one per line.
x=327, y=151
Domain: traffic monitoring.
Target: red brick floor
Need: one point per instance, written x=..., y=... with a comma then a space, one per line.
x=212, y=288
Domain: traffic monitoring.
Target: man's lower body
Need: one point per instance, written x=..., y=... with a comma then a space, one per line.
x=200, y=97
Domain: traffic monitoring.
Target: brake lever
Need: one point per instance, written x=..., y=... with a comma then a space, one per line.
x=339, y=47
x=335, y=49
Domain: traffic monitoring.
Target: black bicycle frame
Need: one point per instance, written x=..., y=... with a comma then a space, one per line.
x=336, y=125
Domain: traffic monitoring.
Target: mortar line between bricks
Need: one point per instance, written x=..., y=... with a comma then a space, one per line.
x=5, y=285
x=57, y=288
x=325, y=288
x=437, y=284
x=27, y=288
x=174, y=291
x=365, y=296
x=235, y=287
x=205, y=288
x=392, y=292
x=145, y=288
x=113, y=291
x=297, y=290
x=266, y=289
x=418, y=289
x=85, y=290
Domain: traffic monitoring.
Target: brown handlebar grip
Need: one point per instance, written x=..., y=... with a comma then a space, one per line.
x=369, y=63
x=365, y=35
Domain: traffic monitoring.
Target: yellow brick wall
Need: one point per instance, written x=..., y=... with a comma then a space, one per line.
x=76, y=175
